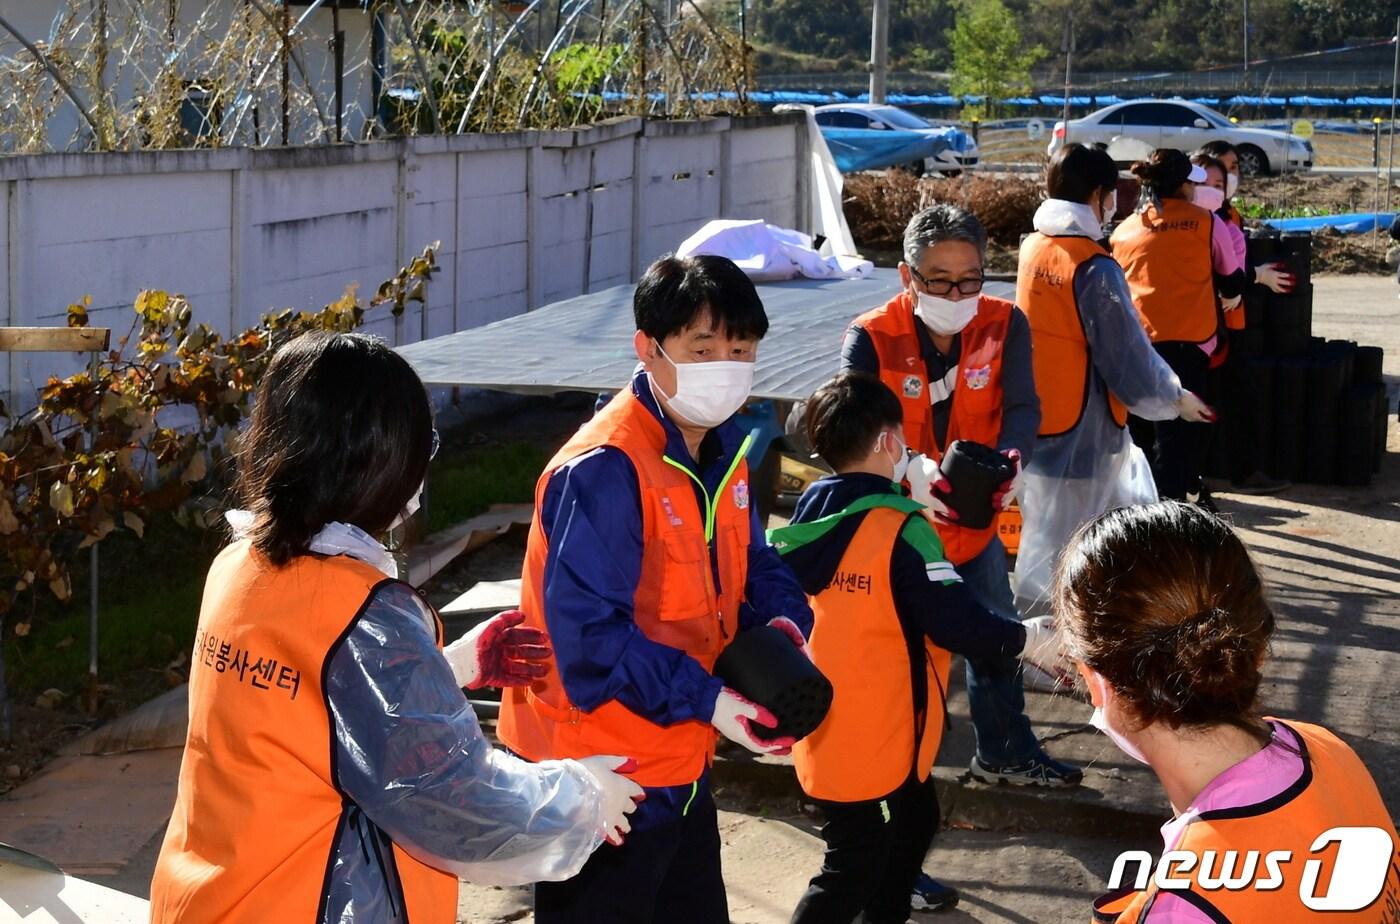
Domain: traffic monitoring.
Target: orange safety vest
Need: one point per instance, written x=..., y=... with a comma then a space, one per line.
x=257, y=812
x=977, y=397
x=676, y=603
x=1059, y=350
x=1335, y=790
x=859, y=644
x=1165, y=254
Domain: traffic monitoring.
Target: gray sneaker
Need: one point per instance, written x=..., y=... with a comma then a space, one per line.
x=1041, y=770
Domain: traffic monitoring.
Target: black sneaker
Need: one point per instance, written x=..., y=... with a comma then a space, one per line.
x=932, y=895
x=1041, y=770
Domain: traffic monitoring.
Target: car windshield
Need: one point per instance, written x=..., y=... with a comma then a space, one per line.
x=899, y=118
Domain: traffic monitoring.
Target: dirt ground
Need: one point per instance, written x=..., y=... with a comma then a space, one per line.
x=1331, y=558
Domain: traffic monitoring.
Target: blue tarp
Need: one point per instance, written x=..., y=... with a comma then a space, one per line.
x=1357, y=223
x=1370, y=101
x=1108, y=100
x=1021, y=101
x=871, y=149
x=1073, y=101
x=1206, y=100
x=1257, y=101
x=1315, y=102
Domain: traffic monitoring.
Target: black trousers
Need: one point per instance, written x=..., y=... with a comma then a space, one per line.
x=874, y=853
x=665, y=874
x=1178, y=450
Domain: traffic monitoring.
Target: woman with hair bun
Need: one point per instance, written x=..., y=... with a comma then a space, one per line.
x=333, y=768
x=1176, y=255
x=1093, y=364
x=1165, y=617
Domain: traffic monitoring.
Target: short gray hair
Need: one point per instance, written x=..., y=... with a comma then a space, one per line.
x=939, y=223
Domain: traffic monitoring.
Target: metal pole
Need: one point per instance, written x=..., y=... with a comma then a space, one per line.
x=338, y=44
x=1069, y=56
x=879, y=49
x=1394, y=79
x=744, y=51
x=94, y=366
x=1246, y=37
x=286, y=72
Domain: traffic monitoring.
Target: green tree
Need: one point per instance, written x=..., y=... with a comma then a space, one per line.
x=989, y=58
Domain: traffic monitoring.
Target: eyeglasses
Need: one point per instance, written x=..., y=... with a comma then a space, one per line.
x=437, y=444
x=964, y=286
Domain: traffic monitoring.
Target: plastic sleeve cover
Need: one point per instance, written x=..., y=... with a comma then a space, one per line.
x=410, y=754
x=1122, y=353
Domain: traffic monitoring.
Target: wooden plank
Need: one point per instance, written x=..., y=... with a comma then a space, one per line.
x=55, y=339
x=485, y=597
x=441, y=548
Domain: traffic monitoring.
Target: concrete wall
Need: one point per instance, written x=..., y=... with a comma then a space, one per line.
x=524, y=220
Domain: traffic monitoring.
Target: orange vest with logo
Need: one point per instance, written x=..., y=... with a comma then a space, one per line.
x=977, y=395
x=1335, y=790
x=257, y=812
x=676, y=603
x=1059, y=349
x=1165, y=254
x=859, y=644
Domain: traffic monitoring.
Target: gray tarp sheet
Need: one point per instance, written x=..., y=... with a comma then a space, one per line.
x=585, y=343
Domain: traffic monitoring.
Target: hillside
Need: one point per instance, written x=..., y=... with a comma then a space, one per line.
x=1111, y=35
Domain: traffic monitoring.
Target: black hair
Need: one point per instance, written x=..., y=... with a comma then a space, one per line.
x=1217, y=149
x=341, y=431
x=845, y=416
x=675, y=292
x=1209, y=161
x=1164, y=172
x=1077, y=173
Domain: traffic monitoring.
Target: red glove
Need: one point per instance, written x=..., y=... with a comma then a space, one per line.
x=500, y=653
x=1010, y=489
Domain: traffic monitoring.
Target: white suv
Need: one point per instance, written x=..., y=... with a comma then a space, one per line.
x=1155, y=123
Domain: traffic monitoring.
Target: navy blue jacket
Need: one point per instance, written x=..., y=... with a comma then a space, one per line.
x=592, y=518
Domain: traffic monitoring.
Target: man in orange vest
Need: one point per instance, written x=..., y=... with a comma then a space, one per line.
x=644, y=560
x=889, y=610
x=960, y=363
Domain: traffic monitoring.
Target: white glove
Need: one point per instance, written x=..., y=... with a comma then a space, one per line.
x=1011, y=490
x=620, y=795
x=1232, y=303
x=1192, y=409
x=735, y=717
x=923, y=476
x=501, y=652
x=1274, y=275
x=789, y=628
x=1043, y=648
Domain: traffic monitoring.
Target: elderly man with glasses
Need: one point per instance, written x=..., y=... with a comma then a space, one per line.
x=960, y=363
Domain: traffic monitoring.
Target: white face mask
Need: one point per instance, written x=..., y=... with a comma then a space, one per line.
x=1100, y=721
x=944, y=316
x=901, y=459
x=708, y=394
x=409, y=509
x=1232, y=185
x=1110, y=208
x=1209, y=198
